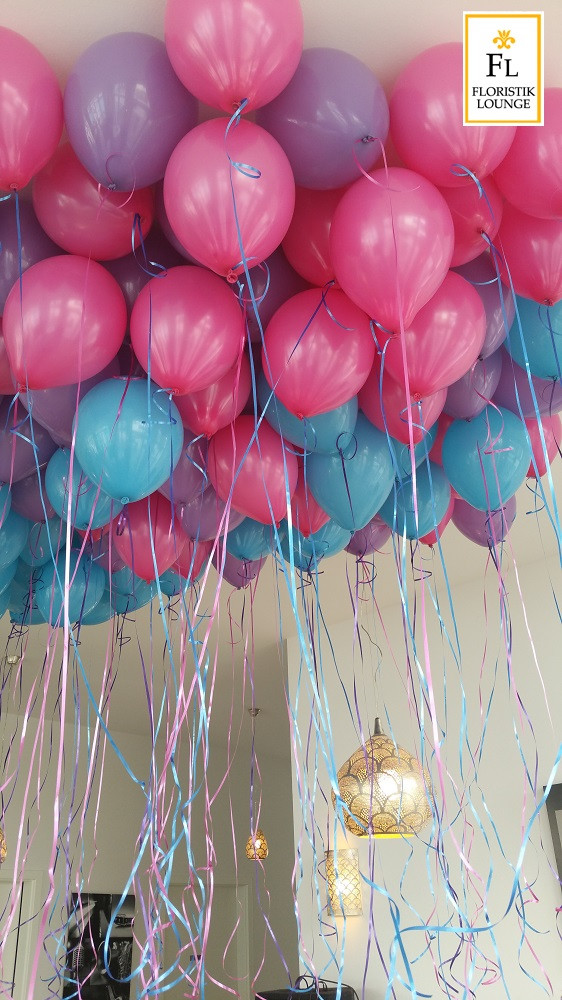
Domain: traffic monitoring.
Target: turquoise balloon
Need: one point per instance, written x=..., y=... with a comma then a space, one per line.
x=13, y=536
x=22, y=600
x=486, y=459
x=250, y=540
x=172, y=584
x=352, y=486
x=4, y=602
x=44, y=540
x=421, y=451
x=323, y=433
x=128, y=437
x=536, y=338
x=5, y=501
x=141, y=594
x=7, y=574
x=102, y=612
x=307, y=552
x=90, y=506
x=86, y=590
x=433, y=493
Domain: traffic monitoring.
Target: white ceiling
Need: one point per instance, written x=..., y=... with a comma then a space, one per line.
x=385, y=36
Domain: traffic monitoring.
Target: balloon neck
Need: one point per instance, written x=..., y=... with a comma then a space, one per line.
x=548, y=302
x=417, y=397
x=232, y=276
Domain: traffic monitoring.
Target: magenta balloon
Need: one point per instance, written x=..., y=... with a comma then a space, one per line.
x=65, y=324
x=189, y=478
x=500, y=308
x=389, y=411
x=125, y=110
x=273, y=282
x=192, y=325
x=30, y=110
x=467, y=397
x=101, y=548
x=202, y=517
x=532, y=251
x=398, y=226
x=32, y=243
x=212, y=408
x=530, y=174
x=56, y=408
x=514, y=390
x=476, y=209
x=201, y=186
x=369, y=539
x=133, y=271
x=326, y=117
x=238, y=572
x=164, y=223
x=307, y=243
x=23, y=448
x=443, y=340
x=225, y=51
x=426, y=121
x=7, y=381
x=318, y=351
x=543, y=455
x=484, y=527
x=29, y=496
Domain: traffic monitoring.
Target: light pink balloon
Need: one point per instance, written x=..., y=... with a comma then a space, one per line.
x=201, y=186
x=391, y=244
x=531, y=255
x=259, y=474
x=426, y=121
x=389, y=411
x=318, y=351
x=206, y=411
x=474, y=210
x=530, y=175
x=67, y=325
x=84, y=218
x=225, y=51
x=552, y=431
x=192, y=325
x=31, y=115
x=443, y=341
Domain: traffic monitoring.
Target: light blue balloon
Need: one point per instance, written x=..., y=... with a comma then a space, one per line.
x=4, y=602
x=324, y=433
x=7, y=574
x=86, y=591
x=141, y=594
x=90, y=506
x=421, y=451
x=308, y=551
x=124, y=445
x=433, y=493
x=486, y=459
x=22, y=600
x=352, y=486
x=250, y=540
x=44, y=540
x=5, y=501
x=13, y=536
x=102, y=612
x=171, y=583
x=538, y=339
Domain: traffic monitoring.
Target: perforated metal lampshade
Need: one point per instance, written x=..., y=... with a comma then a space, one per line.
x=256, y=846
x=385, y=789
x=344, y=883
x=3, y=847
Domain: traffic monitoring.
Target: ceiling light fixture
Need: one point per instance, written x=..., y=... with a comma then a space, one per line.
x=256, y=845
x=343, y=882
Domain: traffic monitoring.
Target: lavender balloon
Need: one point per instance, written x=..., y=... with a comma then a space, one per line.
x=326, y=118
x=238, y=572
x=18, y=456
x=467, y=397
x=32, y=242
x=369, y=539
x=151, y=259
x=500, y=309
x=125, y=110
x=514, y=390
x=189, y=478
x=484, y=527
x=273, y=282
x=201, y=518
x=56, y=408
x=30, y=499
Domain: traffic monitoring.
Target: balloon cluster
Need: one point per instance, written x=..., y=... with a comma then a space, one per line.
x=246, y=335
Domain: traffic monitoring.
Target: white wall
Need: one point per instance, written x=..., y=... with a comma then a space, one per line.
x=361, y=683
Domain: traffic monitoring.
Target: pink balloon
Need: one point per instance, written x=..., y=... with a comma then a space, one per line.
x=202, y=184
x=308, y=516
x=443, y=424
x=552, y=431
x=189, y=477
x=426, y=121
x=65, y=325
x=432, y=537
x=55, y=408
x=532, y=252
x=202, y=517
x=443, y=340
x=225, y=51
x=144, y=525
x=192, y=558
x=389, y=412
x=84, y=218
x=257, y=472
x=530, y=174
x=7, y=381
x=192, y=325
x=474, y=210
x=318, y=351
x=307, y=243
x=391, y=244
x=31, y=116
x=29, y=498
x=23, y=447
x=206, y=411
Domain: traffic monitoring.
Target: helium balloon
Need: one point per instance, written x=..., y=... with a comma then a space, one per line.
x=322, y=433
x=25, y=445
x=225, y=52
x=307, y=552
x=530, y=174
x=543, y=454
x=203, y=518
x=273, y=282
x=22, y=602
x=496, y=297
x=369, y=539
x=30, y=499
x=218, y=404
x=43, y=541
x=128, y=438
x=476, y=209
x=484, y=527
x=134, y=270
x=435, y=534
x=308, y=516
x=87, y=584
x=102, y=612
x=526, y=394
x=307, y=242
x=148, y=536
x=125, y=110
x=24, y=243
x=189, y=478
x=7, y=574
x=192, y=559
x=90, y=507
x=443, y=424
x=7, y=382
x=238, y=572
x=55, y=408
x=402, y=455
x=486, y=459
x=389, y=410
x=468, y=396
x=250, y=540
x=535, y=338
x=532, y=255
x=416, y=509
x=400, y=228
x=141, y=593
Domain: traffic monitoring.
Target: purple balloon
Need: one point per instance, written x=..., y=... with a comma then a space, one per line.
x=18, y=458
x=33, y=242
x=201, y=517
x=238, y=572
x=273, y=282
x=26, y=497
x=56, y=408
x=468, y=396
x=484, y=527
x=369, y=539
x=500, y=310
x=125, y=110
x=189, y=478
x=514, y=384
x=151, y=259
x=331, y=104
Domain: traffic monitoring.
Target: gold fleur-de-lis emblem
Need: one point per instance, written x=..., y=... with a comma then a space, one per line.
x=504, y=39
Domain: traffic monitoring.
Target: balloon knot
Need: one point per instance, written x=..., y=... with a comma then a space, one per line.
x=368, y=138
x=417, y=397
x=548, y=302
x=299, y=416
x=232, y=277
